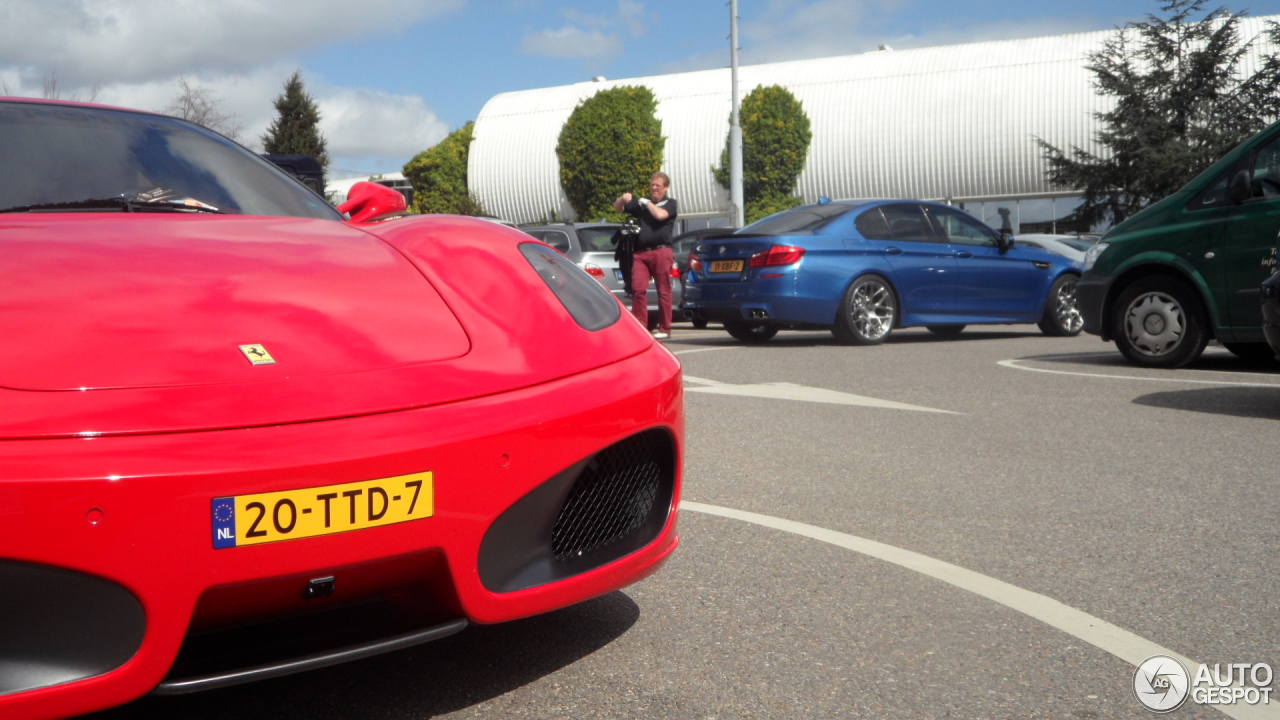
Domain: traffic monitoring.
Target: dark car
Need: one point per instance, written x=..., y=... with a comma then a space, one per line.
x=591, y=246
x=682, y=245
x=864, y=267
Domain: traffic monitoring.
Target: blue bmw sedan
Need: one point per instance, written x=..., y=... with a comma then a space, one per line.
x=864, y=267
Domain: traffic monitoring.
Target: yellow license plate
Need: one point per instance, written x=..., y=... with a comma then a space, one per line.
x=293, y=514
x=726, y=266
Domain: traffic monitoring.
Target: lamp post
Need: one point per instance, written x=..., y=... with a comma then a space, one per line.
x=735, y=129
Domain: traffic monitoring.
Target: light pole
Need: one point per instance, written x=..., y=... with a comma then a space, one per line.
x=735, y=129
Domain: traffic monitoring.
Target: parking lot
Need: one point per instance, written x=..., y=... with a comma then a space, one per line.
x=979, y=527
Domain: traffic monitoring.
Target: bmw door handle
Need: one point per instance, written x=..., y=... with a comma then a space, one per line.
x=893, y=251
x=964, y=254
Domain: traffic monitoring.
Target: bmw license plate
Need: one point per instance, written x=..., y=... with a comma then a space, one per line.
x=726, y=266
x=308, y=512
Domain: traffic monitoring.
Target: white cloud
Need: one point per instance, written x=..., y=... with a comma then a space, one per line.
x=800, y=29
x=88, y=41
x=572, y=42
x=366, y=131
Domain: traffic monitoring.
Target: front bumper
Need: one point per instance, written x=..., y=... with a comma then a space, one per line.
x=1091, y=298
x=134, y=511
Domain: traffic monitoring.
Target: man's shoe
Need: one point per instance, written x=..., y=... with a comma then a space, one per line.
x=659, y=335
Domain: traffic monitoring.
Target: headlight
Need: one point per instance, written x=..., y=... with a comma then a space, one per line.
x=1091, y=255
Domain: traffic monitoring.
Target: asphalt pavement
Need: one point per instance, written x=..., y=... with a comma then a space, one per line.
x=987, y=526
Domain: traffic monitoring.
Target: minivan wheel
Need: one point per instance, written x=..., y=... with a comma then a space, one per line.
x=945, y=330
x=750, y=332
x=1061, y=313
x=868, y=312
x=1159, y=322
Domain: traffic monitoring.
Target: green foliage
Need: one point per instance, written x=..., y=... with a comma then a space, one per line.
x=296, y=129
x=775, y=143
x=439, y=176
x=1181, y=103
x=611, y=144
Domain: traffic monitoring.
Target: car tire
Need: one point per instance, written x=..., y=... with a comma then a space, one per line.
x=868, y=312
x=750, y=332
x=1257, y=353
x=1159, y=322
x=945, y=331
x=699, y=323
x=1062, y=316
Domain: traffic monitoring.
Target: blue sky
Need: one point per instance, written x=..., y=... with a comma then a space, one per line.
x=393, y=76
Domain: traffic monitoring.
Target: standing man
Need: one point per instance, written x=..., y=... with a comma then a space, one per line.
x=653, y=258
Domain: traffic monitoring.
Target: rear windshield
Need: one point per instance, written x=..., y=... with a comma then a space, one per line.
x=801, y=220
x=597, y=239
x=56, y=154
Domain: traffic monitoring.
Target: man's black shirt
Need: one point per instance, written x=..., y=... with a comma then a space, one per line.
x=653, y=232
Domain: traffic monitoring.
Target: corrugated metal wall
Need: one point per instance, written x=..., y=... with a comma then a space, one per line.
x=946, y=122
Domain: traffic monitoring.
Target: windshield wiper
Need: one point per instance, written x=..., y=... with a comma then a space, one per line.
x=158, y=200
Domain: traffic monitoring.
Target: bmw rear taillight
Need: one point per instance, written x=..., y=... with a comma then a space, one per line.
x=593, y=270
x=694, y=263
x=777, y=255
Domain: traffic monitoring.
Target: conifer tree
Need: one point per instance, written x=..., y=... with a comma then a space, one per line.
x=296, y=129
x=1182, y=101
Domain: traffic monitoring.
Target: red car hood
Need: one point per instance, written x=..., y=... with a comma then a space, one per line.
x=125, y=324
x=106, y=302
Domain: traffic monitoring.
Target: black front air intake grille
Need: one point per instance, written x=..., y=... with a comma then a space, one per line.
x=611, y=498
x=593, y=512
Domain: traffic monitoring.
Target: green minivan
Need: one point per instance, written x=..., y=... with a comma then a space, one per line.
x=1190, y=267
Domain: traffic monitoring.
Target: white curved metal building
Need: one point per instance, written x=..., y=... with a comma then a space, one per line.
x=956, y=122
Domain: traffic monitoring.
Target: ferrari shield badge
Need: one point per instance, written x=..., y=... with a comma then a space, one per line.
x=257, y=355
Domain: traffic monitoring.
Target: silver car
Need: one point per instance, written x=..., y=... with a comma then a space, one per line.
x=591, y=246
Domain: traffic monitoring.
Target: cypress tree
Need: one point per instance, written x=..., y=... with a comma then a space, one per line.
x=611, y=144
x=775, y=144
x=296, y=129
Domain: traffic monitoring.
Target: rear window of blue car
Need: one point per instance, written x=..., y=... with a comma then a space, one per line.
x=802, y=220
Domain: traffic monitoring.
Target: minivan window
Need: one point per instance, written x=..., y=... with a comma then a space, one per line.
x=1215, y=195
x=807, y=219
x=1266, y=170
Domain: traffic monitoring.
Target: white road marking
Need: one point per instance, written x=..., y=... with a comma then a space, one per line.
x=791, y=391
x=1014, y=364
x=688, y=352
x=1125, y=645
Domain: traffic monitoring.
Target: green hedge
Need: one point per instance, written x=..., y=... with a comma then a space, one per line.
x=439, y=176
x=775, y=143
x=611, y=144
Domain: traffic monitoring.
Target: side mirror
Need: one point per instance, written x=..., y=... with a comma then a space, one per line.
x=1238, y=189
x=370, y=202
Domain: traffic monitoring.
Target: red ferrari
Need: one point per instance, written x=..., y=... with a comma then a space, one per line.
x=242, y=435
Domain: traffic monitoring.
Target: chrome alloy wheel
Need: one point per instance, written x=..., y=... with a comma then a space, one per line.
x=1154, y=323
x=1065, y=308
x=871, y=312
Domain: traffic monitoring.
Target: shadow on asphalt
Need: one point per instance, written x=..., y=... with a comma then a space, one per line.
x=822, y=338
x=478, y=664
x=1247, y=402
x=1210, y=361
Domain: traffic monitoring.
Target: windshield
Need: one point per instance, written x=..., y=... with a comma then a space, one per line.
x=597, y=239
x=805, y=219
x=57, y=155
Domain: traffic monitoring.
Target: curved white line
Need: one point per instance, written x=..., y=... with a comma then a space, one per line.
x=1125, y=645
x=1014, y=364
x=687, y=352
